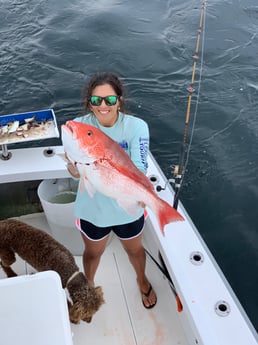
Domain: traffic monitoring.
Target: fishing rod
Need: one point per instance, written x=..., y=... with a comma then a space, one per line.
x=164, y=271
x=179, y=170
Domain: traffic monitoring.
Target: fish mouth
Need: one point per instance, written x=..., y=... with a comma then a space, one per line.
x=68, y=127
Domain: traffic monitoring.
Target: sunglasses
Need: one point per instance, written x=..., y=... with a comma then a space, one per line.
x=109, y=100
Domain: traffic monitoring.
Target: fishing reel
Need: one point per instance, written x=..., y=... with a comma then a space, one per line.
x=175, y=181
x=159, y=188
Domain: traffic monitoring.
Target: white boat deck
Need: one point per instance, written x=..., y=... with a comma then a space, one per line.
x=212, y=314
x=122, y=320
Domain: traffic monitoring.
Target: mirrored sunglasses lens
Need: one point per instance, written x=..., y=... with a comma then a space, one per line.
x=95, y=100
x=110, y=100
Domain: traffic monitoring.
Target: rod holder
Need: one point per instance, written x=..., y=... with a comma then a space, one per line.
x=5, y=154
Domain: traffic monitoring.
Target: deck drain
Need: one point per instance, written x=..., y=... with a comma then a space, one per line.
x=49, y=152
x=154, y=179
x=222, y=308
x=196, y=258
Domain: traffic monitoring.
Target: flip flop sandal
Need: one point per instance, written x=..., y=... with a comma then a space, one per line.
x=147, y=295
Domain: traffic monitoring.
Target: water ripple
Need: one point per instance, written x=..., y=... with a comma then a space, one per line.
x=49, y=48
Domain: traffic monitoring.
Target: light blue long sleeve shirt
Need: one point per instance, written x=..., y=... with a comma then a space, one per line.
x=132, y=134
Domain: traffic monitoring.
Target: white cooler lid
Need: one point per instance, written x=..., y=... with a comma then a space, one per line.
x=33, y=310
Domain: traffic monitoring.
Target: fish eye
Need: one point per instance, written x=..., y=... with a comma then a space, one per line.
x=89, y=133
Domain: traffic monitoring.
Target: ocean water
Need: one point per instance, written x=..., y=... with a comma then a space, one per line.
x=49, y=48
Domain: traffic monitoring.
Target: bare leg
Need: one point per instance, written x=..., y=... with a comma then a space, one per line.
x=137, y=257
x=91, y=256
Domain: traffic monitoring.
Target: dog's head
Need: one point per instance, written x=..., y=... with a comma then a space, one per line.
x=86, y=299
x=86, y=306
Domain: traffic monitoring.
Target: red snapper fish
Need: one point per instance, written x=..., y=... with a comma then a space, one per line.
x=105, y=167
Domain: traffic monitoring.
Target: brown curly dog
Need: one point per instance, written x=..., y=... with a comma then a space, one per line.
x=44, y=253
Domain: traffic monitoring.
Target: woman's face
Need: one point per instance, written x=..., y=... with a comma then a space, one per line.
x=106, y=114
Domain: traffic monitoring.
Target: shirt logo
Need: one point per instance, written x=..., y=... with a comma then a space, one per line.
x=144, y=144
x=124, y=145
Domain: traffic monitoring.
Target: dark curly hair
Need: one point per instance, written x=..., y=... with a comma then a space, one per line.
x=103, y=78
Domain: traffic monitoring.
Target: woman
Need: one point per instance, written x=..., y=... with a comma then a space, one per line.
x=98, y=216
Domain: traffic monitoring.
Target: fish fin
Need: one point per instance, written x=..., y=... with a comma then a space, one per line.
x=81, y=186
x=132, y=172
x=167, y=214
x=129, y=207
x=89, y=187
x=85, y=185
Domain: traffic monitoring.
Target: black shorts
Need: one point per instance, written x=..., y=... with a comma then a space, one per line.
x=124, y=231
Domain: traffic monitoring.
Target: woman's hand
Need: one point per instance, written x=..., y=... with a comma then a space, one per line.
x=73, y=170
x=71, y=167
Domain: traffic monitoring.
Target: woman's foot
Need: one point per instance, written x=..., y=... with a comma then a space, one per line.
x=149, y=298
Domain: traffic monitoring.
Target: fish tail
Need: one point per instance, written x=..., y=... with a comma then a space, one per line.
x=167, y=214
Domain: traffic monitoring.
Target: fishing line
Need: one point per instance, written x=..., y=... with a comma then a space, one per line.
x=180, y=169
